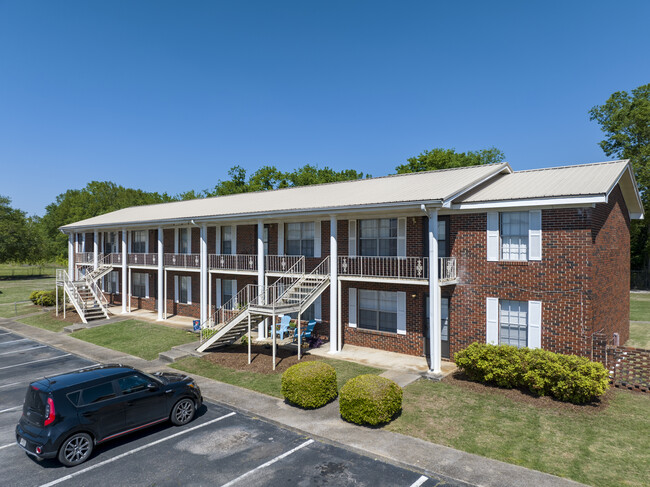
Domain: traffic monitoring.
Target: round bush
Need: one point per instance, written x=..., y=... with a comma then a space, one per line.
x=309, y=384
x=43, y=298
x=370, y=399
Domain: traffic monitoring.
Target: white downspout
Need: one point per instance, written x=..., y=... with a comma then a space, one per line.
x=161, y=282
x=334, y=340
x=124, y=270
x=434, y=295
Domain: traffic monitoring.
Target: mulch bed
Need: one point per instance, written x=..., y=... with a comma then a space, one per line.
x=236, y=357
x=459, y=379
x=71, y=316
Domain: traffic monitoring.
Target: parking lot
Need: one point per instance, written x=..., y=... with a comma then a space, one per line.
x=220, y=447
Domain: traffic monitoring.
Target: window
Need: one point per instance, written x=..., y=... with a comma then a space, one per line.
x=513, y=323
x=378, y=237
x=184, y=289
x=300, y=239
x=228, y=290
x=139, y=285
x=111, y=282
x=378, y=310
x=514, y=235
x=98, y=393
x=139, y=242
x=110, y=243
x=265, y=239
x=442, y=238
x=184, y=243
x=133, y=383
x=227, y=246
x=311, y=313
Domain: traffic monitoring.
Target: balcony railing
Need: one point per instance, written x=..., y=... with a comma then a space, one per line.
x=143, y=259
x=84, y=257
x=183, y=260
x=233, y=262
x=395, y=267
x=114, y=259
x=282, y=263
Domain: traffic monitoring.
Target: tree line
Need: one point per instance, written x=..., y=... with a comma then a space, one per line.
x=624, y=118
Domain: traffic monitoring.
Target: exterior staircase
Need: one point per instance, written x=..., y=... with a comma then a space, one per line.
x=293, y=292
x=84, y=294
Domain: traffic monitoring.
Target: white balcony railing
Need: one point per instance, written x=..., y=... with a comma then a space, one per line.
x=84, y=257
x=233, y=262
x=183, y=260
x=395, y=267
x=282, y=263
x=113, y=259
x=143, y=259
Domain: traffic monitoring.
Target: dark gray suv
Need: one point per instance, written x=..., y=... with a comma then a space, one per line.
x=65, y=416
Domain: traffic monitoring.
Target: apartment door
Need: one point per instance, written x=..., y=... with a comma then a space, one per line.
x=444, y=327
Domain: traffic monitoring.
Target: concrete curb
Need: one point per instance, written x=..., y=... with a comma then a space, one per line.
x=324, y=424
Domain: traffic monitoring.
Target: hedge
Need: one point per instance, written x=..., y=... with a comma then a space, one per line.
x=567, y=378
x=43, y=298
x=309, y=384
x=370, y=399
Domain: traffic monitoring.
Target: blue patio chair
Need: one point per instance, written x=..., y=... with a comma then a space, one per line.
x=305, y=332
x=284, y=326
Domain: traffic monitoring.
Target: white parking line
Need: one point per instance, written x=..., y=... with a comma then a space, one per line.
x=11, y=384
x=5, y=333
x=14, y=341
x=34, y=361
x=6, y=446
x=135, y=450
x=23, y=350
x=270, y=462
x=419, y=481
x=10, y=409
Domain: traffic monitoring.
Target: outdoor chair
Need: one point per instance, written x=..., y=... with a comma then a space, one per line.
x=305, y=332
x=284, y=327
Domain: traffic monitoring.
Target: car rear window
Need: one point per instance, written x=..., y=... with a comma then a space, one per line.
x=98, y=393
x=35, y=400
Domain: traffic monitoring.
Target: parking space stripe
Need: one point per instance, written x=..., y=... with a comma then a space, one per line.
x=5, y=333
x=23, y=350
x=135, y=450
x=6, y=446
x=14, y=341
x=419, y=481
x=35, y=361
x=10, y=409
x=270, y=462
x=11, y=384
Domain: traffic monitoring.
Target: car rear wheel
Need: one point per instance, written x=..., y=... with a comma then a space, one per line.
x=183, y=412
x=76, y=449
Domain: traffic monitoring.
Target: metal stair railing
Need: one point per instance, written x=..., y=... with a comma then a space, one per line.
x=73, y=293
x=321, y=273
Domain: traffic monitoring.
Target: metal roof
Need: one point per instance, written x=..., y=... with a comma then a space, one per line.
x=422, y=187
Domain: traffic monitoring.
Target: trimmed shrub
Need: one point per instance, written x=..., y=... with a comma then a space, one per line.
x=370, y=399
x=567, y=378
x=309, y=385
x=43, y=298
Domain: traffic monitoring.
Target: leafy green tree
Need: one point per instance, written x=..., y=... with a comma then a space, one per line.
x=625, y=120
x=20, y=237
x=439, y=158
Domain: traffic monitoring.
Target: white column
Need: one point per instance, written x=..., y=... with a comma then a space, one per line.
x=204, y=273
x=434, y=294
x=261, y=328
x=124, y=270
x=71, y=255
x=161, y=277
x=334, y=329
x=95, y=250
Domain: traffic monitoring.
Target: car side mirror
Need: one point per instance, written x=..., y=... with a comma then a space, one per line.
x=152, y=387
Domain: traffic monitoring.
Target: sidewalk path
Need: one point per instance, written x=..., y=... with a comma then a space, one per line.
x=324, y=424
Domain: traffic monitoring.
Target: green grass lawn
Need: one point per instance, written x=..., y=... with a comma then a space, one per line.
x=640, y=306
x=639, y=334
x=13, y=290
x=45, y=321
x=13, y=271
x=601, y=448
x=265, y=383
x=11, y=310
x=144, y=340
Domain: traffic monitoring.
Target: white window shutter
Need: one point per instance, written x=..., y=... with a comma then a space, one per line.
x=234, y=239
x=117, y=284
x=146, y=285
x=176, y=289
x=492, y=320
x=129, y=240
x=401, y=237
x=535, y=235
x=317, y=239
x=534, y=324
x=493, y=236
x=318, y=309
x=280, y=238
x=401, y=313
x=176, y=240
x=103, y=285
x=218, y=291
x=352, y=307
x=146, y=239
x=352, y=238
x=234, y=290
x=188, y=279
x=217, y=242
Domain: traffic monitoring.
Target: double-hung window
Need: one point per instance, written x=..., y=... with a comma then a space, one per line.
x=111, y=282
x=513, y=323
x=514, y=235
x=184, y=289
x=228, y=290
x=300, y=239
x=110, y=243
x=227, y=246
x=139, y=243
x=378, y=310
x=378, y=237
x=184, y=241
x=139, y=284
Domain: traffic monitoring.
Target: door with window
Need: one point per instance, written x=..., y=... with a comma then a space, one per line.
x=444, y=327
x=101, y=408
x=143, y=405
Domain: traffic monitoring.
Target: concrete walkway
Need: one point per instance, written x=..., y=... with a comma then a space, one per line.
x=324, y=424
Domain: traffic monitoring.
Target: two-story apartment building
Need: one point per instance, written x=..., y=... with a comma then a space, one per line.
x=422, y=263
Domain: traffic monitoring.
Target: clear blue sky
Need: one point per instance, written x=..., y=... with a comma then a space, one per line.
x=167, y=95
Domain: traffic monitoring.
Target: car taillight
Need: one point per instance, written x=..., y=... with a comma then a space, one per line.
x=49, y=411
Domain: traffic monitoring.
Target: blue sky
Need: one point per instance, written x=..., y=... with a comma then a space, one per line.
x=168, y=95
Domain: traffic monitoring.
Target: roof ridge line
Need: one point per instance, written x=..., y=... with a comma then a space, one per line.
x=614, y=161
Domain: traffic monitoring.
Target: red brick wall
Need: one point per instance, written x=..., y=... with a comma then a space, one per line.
x=182, y=309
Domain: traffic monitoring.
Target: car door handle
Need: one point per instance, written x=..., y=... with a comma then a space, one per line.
x=168, y=391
